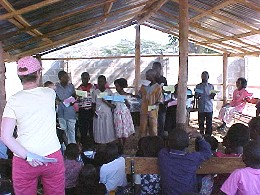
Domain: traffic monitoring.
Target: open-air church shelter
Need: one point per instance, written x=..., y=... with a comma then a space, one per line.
x=38, y=27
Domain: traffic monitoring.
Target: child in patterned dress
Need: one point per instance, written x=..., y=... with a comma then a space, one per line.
x=123, y=122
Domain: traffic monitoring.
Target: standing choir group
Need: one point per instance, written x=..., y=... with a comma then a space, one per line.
x=103, y=117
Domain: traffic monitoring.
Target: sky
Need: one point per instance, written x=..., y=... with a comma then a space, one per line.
x=128, y=33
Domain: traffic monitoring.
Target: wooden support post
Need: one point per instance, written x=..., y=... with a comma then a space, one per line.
x=183, y=65
x=137, y=58
x=40, y=60
x=2, y=82
x=225, y=65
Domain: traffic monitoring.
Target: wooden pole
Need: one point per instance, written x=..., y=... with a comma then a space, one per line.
x=2, y=82
x=225, y=65
x=183, y=65
x=137, y=58
x=40, y=60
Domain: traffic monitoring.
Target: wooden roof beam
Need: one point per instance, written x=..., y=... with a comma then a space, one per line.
x=192, y=40
x=198, y=35
x=67, y=28
x=107, y=9
x=28, y=9
x=20, y=19
x=78, y=36
x=85, y=9
x=249, y=4
x=198, y=26
x=152, y=10
x=255, y=53
x=224, y=18
x=212, y=10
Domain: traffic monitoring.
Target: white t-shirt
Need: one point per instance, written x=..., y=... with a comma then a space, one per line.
x=34, y=111
x=113, y=174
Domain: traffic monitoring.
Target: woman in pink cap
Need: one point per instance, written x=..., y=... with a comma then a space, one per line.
x=36, y=149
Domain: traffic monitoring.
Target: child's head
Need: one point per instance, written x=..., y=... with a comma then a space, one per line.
x=150, y=146
x=254, y=127
x=72, y=151
x=241, y=83
x=88, y=181
x=251, y=155
x=120, y=84
x=237, y=136
x=213, y=142
x=102, y=81
x=178, y=139
x=150, y=75
x=49, y=84
x=157, y=66
x=85, y=78
x=111, y=152
x=63, y=77
x=204, y=76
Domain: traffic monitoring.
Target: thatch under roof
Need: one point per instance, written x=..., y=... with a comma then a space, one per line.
x=34, y=26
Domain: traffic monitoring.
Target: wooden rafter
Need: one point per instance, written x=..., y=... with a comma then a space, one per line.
x=191, y=40
x=107, y=8
x=249, y=4
x=255, y=53
x=28, y=9
x=54, y=20
x=22, y=22
x=212, y=10
x=83, y=34
x=197, y=35
x=198, y=26
x=224, y=18
x=152, y=10
x=74, y=26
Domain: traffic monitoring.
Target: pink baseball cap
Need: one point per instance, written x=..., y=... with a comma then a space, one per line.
x=28, y=65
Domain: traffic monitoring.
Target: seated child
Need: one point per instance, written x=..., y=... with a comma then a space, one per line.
x=237, y=137
x=177, y=166
x=246, y=180
x=148, y=183
x=237, y=104
x=88, y=182
x=112, y=174
x=254, y=128
x=72, y=167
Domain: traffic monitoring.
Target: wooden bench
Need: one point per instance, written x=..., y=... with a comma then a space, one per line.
x=246, y=115
x=147, y=165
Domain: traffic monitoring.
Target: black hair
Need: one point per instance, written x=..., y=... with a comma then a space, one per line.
x=61, y=74
x=251, y=154
x=157, y=64
x=111, y=152
x=238, y=135
x=72, y=151
x=243, y=82
x=152, y=72
x=85, y=74
x=88, y=181
x=100, y=158
x=254, y=127
x=122, y=82
x=28, y=78
x=102, y=77
x=150, y=146
x=213, y=142
x=48, y=83
x=178, y=139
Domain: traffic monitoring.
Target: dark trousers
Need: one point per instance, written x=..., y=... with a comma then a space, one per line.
x=201, y=117
x=85, y=122
x=161, y=120
x=170, y=121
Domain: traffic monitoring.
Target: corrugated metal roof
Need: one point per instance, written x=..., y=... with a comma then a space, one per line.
x=226, y=25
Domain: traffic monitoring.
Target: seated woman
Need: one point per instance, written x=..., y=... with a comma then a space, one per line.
x=240, y=97
x=148, y=183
